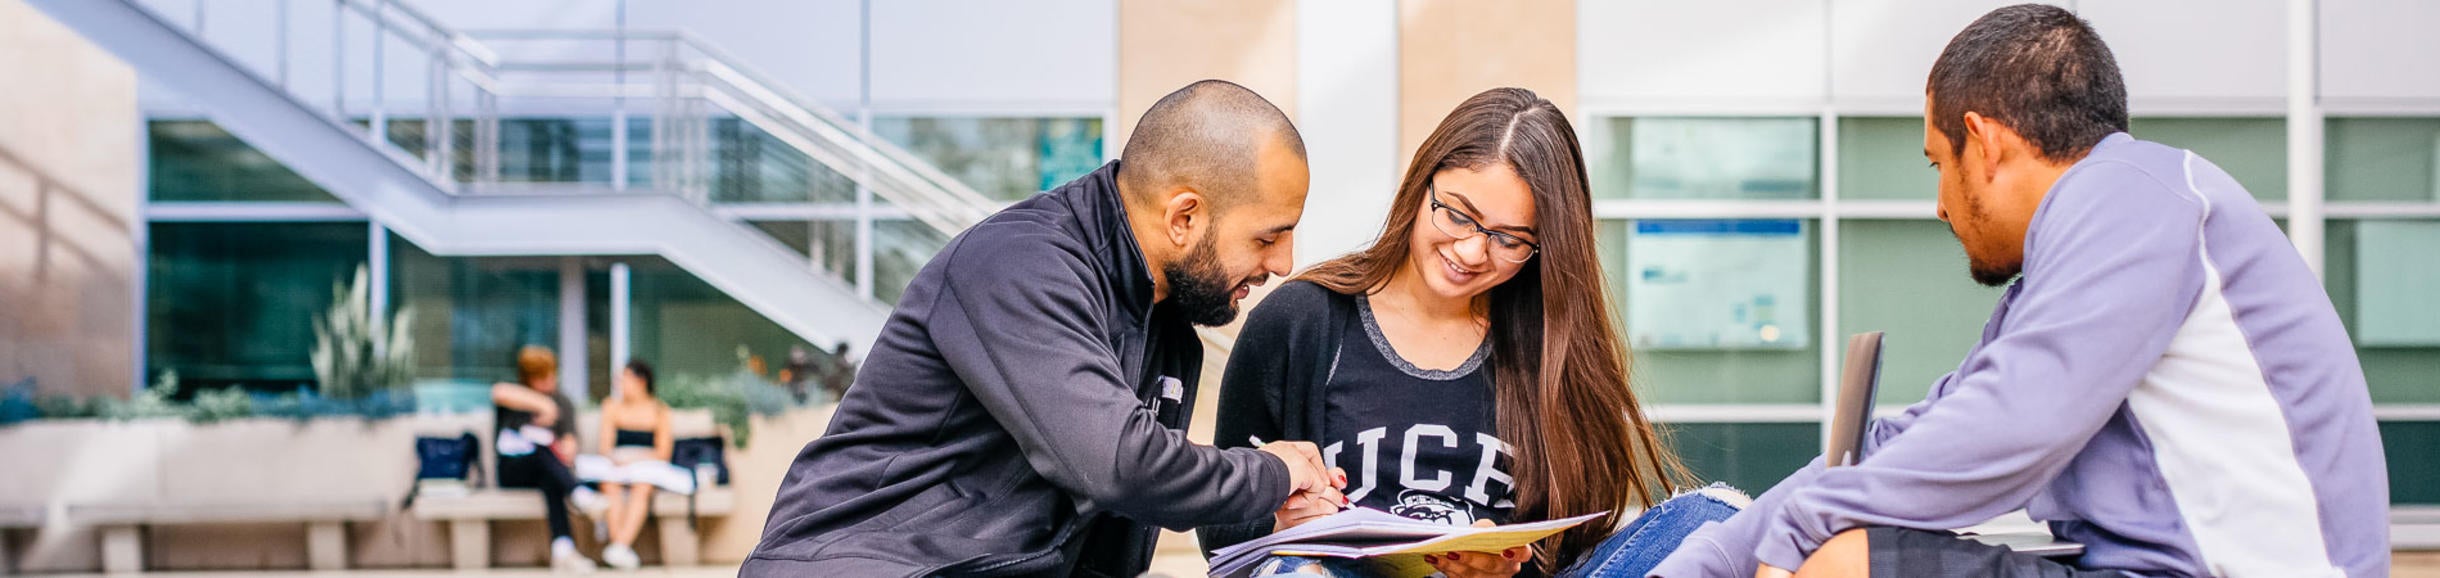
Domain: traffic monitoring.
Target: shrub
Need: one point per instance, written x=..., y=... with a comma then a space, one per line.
x=351, y=358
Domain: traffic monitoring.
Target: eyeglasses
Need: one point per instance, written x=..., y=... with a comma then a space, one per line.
x=1457, y=224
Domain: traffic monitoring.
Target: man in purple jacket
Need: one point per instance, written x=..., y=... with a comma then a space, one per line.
x=2164, y=381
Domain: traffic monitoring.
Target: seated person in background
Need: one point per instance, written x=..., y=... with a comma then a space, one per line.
x=634, y=430
x=2165, y=381
x=537, y=443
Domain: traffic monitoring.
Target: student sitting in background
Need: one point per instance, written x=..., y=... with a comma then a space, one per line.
x=634, y=433
x=2164, y=381
x=537, y=443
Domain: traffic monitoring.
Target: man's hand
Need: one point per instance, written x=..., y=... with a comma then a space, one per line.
x=1308, y=506
x=1769, y=571
x=1306, y=470
x=1481, y=564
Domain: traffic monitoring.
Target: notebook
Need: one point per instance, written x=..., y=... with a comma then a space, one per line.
x=1395, y=545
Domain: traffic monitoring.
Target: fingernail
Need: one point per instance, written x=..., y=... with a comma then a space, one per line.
x=1428, y=559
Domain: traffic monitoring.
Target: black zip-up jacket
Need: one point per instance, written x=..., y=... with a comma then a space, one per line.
x=1022, y=413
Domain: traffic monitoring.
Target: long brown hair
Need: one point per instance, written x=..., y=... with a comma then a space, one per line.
x=1559, y=371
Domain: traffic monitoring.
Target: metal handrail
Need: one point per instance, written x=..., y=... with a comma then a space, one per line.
x=941, y=201
x=674, y=79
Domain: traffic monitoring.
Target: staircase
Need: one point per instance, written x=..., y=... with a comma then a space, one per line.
x=446, y=193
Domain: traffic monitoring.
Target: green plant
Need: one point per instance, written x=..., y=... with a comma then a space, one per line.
x=351, y=358
x=734, y=398
x=153, y=402
x=221, y=405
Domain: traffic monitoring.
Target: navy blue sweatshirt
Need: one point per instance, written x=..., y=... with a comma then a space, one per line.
x=1015, y=416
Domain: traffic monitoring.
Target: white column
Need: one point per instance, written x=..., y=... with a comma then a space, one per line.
x=574, y=378
x=619, y=323
x=864, y=117
x=377, y=279
x=1347, y=110
x=618, y=111
x=2304, y=133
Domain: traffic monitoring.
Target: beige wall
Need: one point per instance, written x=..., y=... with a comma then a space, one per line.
x=1452, y=49
x=1165, y=44
x=68, y=177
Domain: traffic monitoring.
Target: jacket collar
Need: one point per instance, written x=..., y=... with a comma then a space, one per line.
x=1103, y=215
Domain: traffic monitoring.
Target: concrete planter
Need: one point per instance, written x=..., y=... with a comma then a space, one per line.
x=79, y=475
x=72, y=478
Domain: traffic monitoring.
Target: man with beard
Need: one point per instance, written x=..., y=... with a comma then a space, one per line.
x=2164, y=381
x=1024, y=409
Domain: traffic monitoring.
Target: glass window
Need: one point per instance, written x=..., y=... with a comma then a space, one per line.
x=830, y=243
x=1750, y=456
x=471, y=314
x=1788, y=372
x=233, y=304
x=2383, y=159
x=2372, y=269
x=901, y=248
x=1703, y=158
x=1908, y=279
x=2410, y=446
x=2254, y=150
x=751, y=166
x=1881, y=158
x=684, y=326
x=195, y=160
x=1003, y=158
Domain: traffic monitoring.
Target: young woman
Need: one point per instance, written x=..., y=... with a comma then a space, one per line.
x=1464, y=368
x=634, y=429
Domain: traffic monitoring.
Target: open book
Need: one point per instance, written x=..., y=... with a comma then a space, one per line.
x=1394, y=545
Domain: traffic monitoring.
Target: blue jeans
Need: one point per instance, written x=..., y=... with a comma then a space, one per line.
x=1630, y=553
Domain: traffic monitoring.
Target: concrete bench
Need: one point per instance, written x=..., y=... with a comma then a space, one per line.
x=2414, y=527
x=121, y=525
x=15, y=517
x=470, y=516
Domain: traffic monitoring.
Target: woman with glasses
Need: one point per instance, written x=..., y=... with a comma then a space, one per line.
x=1464, y=368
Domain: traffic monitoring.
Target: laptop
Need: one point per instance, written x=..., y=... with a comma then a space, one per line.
x=1859, y=384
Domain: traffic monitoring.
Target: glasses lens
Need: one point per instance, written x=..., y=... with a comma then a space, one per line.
x=1446, y=219
x=1511, y=250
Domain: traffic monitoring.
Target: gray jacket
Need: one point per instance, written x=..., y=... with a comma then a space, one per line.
x=1014, y=416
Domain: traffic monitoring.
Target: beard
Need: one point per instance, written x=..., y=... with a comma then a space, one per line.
x=1992, y=274
x=1984, y=271
x=1199, y=288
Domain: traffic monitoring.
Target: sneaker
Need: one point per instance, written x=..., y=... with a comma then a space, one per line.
x=621, y=557
x=565, y=559
x=590, y=502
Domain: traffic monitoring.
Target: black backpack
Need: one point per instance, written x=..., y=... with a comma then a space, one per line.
x=439, y=458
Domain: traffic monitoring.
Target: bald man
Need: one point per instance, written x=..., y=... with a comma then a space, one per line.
x=1024, y=409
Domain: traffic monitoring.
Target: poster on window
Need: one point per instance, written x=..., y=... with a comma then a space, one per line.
x=1719, y=284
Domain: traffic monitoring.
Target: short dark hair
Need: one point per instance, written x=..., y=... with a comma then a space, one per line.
x=642, y=371
x=2039, y=70
x=1205, y=134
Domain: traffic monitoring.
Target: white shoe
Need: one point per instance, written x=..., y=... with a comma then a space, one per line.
x=588, y=501
x=565, y=559
x=621, y=557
